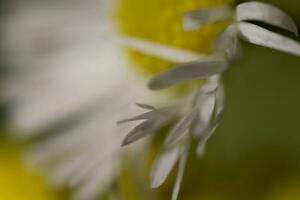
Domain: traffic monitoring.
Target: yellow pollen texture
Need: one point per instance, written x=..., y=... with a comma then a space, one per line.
x=161, y=21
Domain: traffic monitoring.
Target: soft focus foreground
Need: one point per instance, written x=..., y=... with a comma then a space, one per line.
x=18, y=182
x=253, y=155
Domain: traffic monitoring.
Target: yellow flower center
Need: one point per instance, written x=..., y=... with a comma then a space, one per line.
x=161, y=21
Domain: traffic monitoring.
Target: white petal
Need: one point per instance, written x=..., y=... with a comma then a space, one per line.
x=61, y=64
x=186, y=72
x=145, y=106
x=163, y=165
x=260, y=36
x=165, y=52
x=144, y=116
x=208, y=133
x=151, y=115
x=267, y=13
x=220, y=99
x=228, y=42
x=206, y=104
x=180, y=173
x=197, y=18
x=153, y=120
x=99, y=181
x=206, y=107
x=69, y=167
x=88, y=168
x=101, y=126
x=181, y=127
x=142, y=130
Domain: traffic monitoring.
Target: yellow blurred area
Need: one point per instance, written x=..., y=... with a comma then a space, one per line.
x=161, y=21
x=16, y=181
x=285, y=191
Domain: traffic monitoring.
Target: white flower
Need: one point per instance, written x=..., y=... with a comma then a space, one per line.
x=205, y=110
x=66, y=78
x=68, y=72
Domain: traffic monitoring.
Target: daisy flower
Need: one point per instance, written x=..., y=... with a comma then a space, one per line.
x=69, y=73
x=197, y=118
x=66, y=86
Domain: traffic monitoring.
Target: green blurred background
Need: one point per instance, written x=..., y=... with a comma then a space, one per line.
x=255, y=154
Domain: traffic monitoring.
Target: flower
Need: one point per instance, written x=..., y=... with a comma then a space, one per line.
x=65, y=86
x=68, y=74
x=203, y=113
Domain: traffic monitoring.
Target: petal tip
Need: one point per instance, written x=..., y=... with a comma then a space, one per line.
x=154, y=181
x=126, y=142
x=153, y=85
